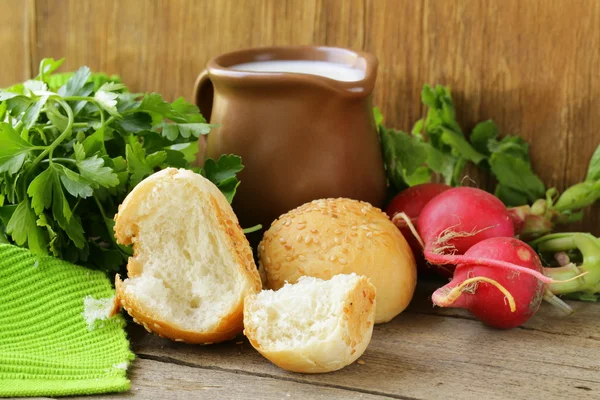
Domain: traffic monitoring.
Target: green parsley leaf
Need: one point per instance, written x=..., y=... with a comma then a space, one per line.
x=17, y=105
x=75, y=231
x=35, y=88
x=59, y=121
x=226, y=167
x=79, y=151
x=107, y=99
x=76, y=185
x=136, y=122
x=13, y=149
x=153, y=103
x=170, y=131
x=33, y=112
x=94, y=170
x=184, y=112
x=223, y=173
x=195, y=129
x=46, y=190
x=23, y=229
x=136, y=163
x=94, y=143
x=156, y=159
x=48, y=66
x=6, y=213
x=43, y=222
x=6, y=95
x=176, y=159
x=40, y=190
x=189, y=150
x=75, y=86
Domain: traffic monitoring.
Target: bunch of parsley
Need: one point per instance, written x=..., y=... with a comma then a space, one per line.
x=73, y=145
x=437, y=149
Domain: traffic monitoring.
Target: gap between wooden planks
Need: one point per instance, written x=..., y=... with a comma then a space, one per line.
x=425, y=353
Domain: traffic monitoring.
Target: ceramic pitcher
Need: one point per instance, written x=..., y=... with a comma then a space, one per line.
x=301, y=136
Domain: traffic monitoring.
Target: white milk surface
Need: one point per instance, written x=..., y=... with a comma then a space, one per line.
x=339, y=72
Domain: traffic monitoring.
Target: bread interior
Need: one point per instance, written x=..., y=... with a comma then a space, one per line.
x=298, y=315
x=189, y=275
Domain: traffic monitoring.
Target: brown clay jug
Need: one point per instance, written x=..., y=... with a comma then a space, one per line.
x=301, y=135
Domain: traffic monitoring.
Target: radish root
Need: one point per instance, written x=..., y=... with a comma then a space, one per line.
x=470, y=286
x=410, y=225
x=435, y=258
x=557, y=302
x=448, y=234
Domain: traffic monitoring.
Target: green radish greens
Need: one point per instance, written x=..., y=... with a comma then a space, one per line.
x=73, y=145
x=438, y=147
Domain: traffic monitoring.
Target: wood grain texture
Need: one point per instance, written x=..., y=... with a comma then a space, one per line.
x=160, y=379
x=14, y=42
x=531, y=66
x=425, y=352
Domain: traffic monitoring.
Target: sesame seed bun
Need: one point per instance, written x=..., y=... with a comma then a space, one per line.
x=327, y=237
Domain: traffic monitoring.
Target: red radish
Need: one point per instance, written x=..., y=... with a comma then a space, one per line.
x=457, y=219
x=498, y=297
x=460, y=217
x=410, y=202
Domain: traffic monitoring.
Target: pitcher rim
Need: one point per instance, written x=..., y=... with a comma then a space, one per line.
x=219, y=66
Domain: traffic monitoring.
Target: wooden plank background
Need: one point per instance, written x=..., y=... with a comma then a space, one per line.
x=533, y=66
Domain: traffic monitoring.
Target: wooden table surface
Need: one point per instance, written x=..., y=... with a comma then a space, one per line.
x=424, y=353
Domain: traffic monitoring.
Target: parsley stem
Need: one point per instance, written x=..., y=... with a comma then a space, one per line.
x=108, y=228
x=109, y=121
x=59, y=139
x=91, y=100
x=60, y=159
x=75, y=125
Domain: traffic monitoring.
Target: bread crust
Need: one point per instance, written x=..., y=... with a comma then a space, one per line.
x=354, y=335
x=228, y=328
x=327, y=237
x=126, y=231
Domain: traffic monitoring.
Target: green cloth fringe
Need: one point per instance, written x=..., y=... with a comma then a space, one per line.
x=46, y=347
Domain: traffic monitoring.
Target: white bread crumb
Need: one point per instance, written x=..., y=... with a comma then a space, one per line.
x=97, y=310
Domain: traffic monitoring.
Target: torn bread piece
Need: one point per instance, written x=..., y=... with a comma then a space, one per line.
x=312, y=326
x=192, y=265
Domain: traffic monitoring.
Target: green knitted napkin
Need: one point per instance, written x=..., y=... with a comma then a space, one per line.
x=48, y=345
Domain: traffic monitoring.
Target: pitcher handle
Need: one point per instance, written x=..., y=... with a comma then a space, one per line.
x=203, y=94
x=203, y=97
